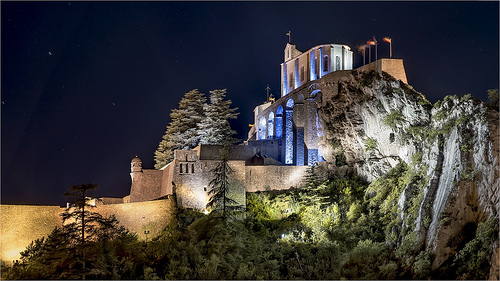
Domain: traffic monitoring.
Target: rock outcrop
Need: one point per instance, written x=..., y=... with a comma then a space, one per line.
x=374, y=122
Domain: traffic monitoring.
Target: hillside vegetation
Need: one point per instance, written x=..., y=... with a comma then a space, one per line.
x=331, y=229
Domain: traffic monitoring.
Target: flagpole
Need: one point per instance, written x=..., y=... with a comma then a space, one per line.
x=364, y=52
x=389, y=40
x=369, y=54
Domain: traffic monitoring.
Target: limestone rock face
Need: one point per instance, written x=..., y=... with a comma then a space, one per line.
x=373, y=122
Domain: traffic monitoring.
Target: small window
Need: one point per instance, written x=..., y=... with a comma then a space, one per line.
x=192, y=168
x=290, y=81
x=180, y=168
x=302, y=72
x=337, y=63
x=325, y=63
x=391, y=137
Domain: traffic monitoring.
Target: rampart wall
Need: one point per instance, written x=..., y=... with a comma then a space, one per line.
x=394, y=67
x=260, y=178
x=21, y=224
x=191, y=188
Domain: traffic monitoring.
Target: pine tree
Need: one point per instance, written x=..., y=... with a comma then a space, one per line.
x=81, y=226
x=215, y=127
x=182, y=131
x=219, y=199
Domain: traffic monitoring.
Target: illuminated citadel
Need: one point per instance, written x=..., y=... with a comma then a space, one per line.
x=282, y=142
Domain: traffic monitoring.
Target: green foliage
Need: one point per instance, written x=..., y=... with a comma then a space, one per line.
x=416, y=159
x=370, y=144
x=393, y=119
x=335, y=144
x=182, y=131
x=469, y=175
x=340, y=159
x=107, y=251
x=438, y=104
x=466, y=148
x=493, y=100
x=215, y=127
x=331, y=229
x=472, y=262
x=465, y=98
x=195, y=122
x=219, y=189
x=440, y=115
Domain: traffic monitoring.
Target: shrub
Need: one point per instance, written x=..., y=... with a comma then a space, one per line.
x=370, y=144
x=472, y=262
x=393, y=119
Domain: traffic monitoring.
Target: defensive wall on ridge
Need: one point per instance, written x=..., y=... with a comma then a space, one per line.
x=22, y=224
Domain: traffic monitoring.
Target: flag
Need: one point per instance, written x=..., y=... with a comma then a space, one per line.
x=372, y=43
x=387, y=39
x=375, y=40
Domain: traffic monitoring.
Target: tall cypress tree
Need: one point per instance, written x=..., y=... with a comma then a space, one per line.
x=220, y=187
x=215, y=127
x=182, y=131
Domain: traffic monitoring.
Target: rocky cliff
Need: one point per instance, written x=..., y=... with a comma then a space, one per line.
x=375, y=122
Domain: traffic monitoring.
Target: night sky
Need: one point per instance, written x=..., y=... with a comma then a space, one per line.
x=86, y=86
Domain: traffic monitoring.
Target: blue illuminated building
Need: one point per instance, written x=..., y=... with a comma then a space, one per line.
x=288, y=129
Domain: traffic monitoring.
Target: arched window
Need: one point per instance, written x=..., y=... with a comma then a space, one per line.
x=262, y=129
x=270, y=125
x=289, y=132
x=279, y=122
x=326, y=62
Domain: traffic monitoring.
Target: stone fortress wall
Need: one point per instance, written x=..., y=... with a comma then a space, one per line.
x=21, y=224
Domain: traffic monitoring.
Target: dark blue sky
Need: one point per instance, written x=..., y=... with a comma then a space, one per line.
x=86, y=86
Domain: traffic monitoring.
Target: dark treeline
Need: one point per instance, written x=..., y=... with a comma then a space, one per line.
x=330, y=229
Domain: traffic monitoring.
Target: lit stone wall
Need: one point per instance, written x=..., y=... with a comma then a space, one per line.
x=394, y=67
x=167, y=187
x=146, y=185
x=192, y=188
x=21, y=224
x=266, y=178
x=138, y=217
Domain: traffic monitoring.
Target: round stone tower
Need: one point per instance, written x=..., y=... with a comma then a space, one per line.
x=135, y=167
